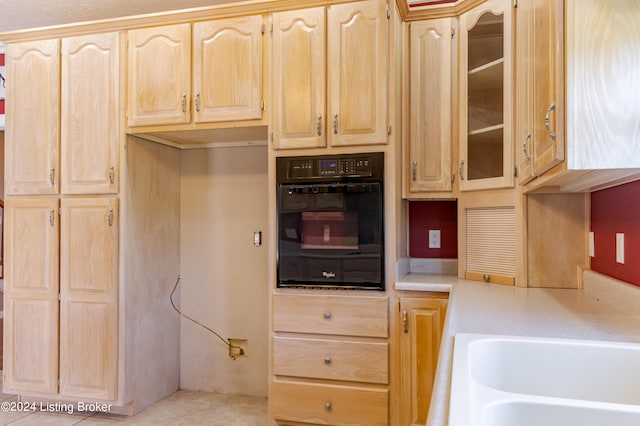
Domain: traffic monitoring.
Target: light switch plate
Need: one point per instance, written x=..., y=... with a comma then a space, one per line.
x=620, y=248
x=434, y=238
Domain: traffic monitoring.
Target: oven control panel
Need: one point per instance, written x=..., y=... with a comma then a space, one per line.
x=320, y=167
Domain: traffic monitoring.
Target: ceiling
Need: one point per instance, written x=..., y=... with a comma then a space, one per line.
x=26, y=14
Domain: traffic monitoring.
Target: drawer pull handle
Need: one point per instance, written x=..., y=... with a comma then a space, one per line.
x=327, y=406
x=327, y=315
x=327, y=360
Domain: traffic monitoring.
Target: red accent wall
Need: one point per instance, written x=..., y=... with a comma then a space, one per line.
x=617, y=210
x=426, y=215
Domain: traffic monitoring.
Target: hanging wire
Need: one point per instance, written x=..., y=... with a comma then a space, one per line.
x=225, y=341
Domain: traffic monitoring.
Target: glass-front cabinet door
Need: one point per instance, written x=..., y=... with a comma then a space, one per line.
x=486, y=154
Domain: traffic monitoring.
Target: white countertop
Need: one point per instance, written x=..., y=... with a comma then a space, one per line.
x=476, y=307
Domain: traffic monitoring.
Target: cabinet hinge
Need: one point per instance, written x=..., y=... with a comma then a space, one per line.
x=453, y=177
x=263, y=105
x=388, y=12
x=59, y=211
x=389, y=129
x=271, y=137
x=263, y=28
x=271, y=29
x=515, y=3
x=453, y=32
x=515, y=172
x=59, y=296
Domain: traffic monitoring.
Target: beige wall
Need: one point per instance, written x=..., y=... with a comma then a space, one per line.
x=223, y=199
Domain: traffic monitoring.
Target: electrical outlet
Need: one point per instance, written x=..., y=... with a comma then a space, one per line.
x=434, y=238
x=237, y=348
x=620, y=248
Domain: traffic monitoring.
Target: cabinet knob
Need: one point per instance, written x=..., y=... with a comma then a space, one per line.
x=327, y=360
x=327, y=315
x=327, y=406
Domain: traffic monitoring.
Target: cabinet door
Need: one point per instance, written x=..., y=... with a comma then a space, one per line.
x=31, y=295
x=358, y=72
x=523, y=64
x=548, y=84
x=485, y=97
x=298, y=78
x=88, y=298
x=90, y=125
x=227, y=69
x=422, y=321
x=159, y=75
x=33, y=114
x=429, y=162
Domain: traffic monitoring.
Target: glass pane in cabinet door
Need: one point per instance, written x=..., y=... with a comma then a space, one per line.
x=485, y=98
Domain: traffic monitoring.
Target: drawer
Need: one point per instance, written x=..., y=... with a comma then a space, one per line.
x=328, y=404
x=329, y=314
x=366, y=362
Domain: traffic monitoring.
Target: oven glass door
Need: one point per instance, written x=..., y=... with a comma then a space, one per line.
x=331, y=235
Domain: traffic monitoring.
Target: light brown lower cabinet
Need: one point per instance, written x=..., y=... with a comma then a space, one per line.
x=318, y=403
x=330, y=359
x=61, y=297
x=421, y=321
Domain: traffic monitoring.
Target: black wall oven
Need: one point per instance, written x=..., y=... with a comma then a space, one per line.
x=330, y=221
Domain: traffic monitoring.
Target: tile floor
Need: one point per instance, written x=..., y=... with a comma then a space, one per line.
x=180, y=408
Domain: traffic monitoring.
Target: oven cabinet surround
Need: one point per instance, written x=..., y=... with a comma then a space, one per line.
x=204, y=72
x=579, y=56
x=89, y=249
x=486, y=152
x=427, y=162
x=419, y=331
x=329, y=76
x=330, y=358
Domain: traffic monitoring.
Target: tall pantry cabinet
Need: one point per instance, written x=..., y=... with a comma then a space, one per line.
x=64, y=335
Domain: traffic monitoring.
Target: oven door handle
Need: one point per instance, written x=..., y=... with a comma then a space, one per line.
x=331, y=188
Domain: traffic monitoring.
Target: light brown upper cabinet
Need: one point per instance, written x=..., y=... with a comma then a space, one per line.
x=486, y=152
x=427, y=162
x=77, y=145
x=91, y=125
x=577, y=93
x=539, y=85
x=224, y=82
x=351, y=42
x=159, y=67
x=32, y=118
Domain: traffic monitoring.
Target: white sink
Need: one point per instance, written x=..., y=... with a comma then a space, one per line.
x=505, y=380
x=523, y=413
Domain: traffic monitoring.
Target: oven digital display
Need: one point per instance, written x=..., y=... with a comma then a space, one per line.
x=328, y=167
